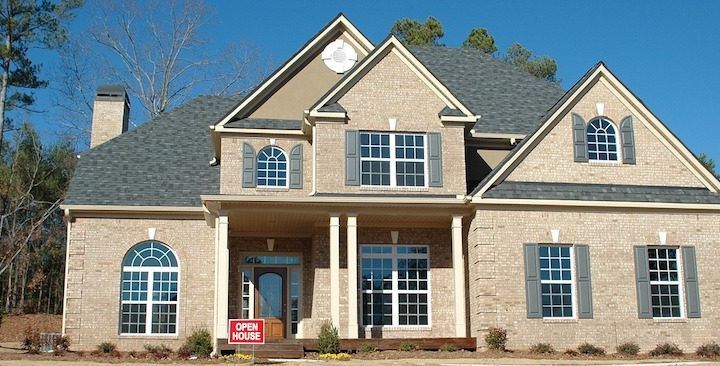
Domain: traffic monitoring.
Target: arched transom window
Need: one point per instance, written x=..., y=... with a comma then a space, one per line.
x=149, y=294
x=272, y=167
x=602, y=140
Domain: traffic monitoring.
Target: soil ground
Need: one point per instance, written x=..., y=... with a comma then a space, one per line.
x=12, y=328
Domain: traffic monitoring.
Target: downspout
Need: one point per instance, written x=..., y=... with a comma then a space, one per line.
x=67, y=268
x=314, y=159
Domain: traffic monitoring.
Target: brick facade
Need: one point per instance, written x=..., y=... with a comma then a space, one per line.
x=497, y=286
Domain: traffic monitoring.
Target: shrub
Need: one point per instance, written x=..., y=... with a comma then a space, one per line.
x=106, y=347
x=496, y=338
x=238, y=356
x=448, y=348
x=628, y=349
x=542, y=348
x=62, y=343
x=335, y=356
x=184, y=353
x=571, y=353
x=591, y=350
x=32, y=341
x=711, y=349
x=199, y=343
x=328, y=339
x=408, y=346
x=666, y=349
x=160, y=352
x=369, y=347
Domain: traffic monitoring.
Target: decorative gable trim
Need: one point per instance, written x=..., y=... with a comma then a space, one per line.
x=598, y=74
x=278, y=78
x=392, y=44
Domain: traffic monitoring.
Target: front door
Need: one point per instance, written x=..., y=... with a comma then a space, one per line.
x=270, y=303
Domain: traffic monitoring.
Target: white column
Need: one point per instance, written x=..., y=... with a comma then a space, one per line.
x=458, y=275
x=221, y=277
x=335, y=269
x=352, y=273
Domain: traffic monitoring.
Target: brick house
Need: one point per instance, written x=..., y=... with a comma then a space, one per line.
x=398, y=192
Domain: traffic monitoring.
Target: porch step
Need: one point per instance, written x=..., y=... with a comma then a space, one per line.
x=275, y=349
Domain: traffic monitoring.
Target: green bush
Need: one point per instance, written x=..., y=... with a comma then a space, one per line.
x=369, y=347
x=542, y=348
x=711, y=349
x=628, y=349
x=448, y=348
x=106, y=347
x=496, y=338
x=666, y=349
x=199, y=343
x=591, y=350
x=328, y=339
x=408, y=346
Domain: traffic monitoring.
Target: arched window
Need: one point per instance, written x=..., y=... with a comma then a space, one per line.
x=272, y=167
x=602, y=140
x=149, y=295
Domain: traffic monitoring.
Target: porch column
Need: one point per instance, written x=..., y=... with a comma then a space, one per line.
x=335, y=269
x=352, y=274
x=221, y=277
x=458, y=275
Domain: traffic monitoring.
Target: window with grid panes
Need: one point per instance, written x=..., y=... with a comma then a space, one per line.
x=664, y=282
x=556, y=278
x=392, y=159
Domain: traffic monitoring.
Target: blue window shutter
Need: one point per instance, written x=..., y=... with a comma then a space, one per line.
x=692, y=290
x=642, y=281
x=435, y=174
x=579, y=138
x=352, y=158
x=296, y=173
x=628, y=140
x=533, y=298
x=249, y=167
x=582, y=267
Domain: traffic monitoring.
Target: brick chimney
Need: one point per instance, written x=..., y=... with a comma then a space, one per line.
x=110, y=114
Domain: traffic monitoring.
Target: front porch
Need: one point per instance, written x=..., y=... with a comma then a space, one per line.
x=378, y=274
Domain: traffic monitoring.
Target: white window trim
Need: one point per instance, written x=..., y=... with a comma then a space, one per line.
x=393, y=160
x=395, y=292
x=149, y=302
x=680, y=282
x=618, y=143
x=287, y=170
x=572, y=281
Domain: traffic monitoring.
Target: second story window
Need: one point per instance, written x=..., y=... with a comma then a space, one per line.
x=272, y=167
x=392, y=159
x=602, y=140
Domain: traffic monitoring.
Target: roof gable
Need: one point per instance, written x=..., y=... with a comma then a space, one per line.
x=599, y=75
x=461, y=113
x=338, y=27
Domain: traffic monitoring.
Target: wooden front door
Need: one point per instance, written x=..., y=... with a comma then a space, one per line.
x=270, y=300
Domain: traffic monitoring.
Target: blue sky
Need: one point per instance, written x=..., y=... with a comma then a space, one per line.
x=667, y=52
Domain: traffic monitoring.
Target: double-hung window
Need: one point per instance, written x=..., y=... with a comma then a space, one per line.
x=395, y=285
x=556, y=281
x=664, y=282
x=393, y=159
x=149, y=294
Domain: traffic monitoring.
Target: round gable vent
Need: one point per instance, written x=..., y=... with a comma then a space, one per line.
x=339, y=56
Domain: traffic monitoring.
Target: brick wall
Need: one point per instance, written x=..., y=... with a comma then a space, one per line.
x=497, y=288
x=97, y=247
x=552, y=159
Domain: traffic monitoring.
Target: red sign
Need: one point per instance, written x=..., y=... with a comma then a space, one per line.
x=246, y=331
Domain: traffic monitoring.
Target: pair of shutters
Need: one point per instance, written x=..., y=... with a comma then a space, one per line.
x=580, y=139
x=352, y=158
x=249, y=178
x=584, y=287
x=533, y=293
x=690, y=279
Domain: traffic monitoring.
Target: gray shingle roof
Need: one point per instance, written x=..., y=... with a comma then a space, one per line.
x=164, y=162
x=508, y=99
x=335, y=107
x=447, y=111
x=601, y=192
x=262, y=123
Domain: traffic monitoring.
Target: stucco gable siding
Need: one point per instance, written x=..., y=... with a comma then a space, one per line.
x=552, y=159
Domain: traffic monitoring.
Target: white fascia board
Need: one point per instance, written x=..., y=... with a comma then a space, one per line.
x=466, y=119
x=259, y=131
x=458, y=200
x=599, y=204
x=491, y=135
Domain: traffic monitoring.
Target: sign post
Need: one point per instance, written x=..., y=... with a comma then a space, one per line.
x=247, y=331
